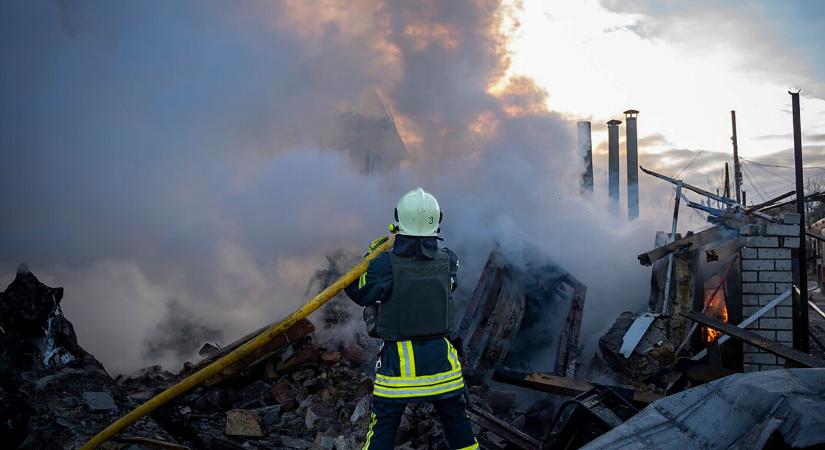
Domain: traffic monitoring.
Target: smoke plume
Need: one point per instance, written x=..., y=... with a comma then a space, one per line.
x=192, y=150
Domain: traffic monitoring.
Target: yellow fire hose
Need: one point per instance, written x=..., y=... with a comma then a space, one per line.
x=220, y=364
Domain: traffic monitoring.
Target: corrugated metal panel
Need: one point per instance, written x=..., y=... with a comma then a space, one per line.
x=739, y=411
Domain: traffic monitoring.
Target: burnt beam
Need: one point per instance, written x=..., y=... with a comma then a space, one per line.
x=506, y=431
x=695, y=240
x=756, y=340
x=570, y=387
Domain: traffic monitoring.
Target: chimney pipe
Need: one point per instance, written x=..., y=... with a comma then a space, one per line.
x=632, y=143
x=613, y=164
x=585, y=146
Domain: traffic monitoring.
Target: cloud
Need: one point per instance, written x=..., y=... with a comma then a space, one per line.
x=776, y=39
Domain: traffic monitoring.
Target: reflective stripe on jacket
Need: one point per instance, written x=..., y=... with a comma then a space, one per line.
x=418, y=370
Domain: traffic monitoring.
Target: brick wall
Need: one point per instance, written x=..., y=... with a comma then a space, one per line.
x=766, y=273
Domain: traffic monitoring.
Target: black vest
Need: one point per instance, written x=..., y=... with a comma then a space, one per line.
x=421, y=303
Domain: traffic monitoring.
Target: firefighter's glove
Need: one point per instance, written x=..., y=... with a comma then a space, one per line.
x=377, y=243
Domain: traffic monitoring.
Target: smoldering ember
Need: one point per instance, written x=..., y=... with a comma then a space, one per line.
x=374, y=224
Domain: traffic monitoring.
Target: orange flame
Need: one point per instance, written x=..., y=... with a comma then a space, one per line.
x=718, y=309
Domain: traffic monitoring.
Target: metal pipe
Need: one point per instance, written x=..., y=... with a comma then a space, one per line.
x=613, y=165
x=669, y=275
x=737, y=168
x=632, y=143
x=585, y=146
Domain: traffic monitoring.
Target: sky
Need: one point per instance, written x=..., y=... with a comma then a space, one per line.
x=179, y=165
x=685, y=66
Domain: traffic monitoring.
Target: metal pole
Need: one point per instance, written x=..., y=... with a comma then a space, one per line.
x=800, y=302
x=666, y=299
x=727, y=181
x=737, y=169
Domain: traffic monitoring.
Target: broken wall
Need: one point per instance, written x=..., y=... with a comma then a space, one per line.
x=767, y=272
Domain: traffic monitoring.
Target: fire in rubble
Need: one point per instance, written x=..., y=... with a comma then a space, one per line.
x=716, y=308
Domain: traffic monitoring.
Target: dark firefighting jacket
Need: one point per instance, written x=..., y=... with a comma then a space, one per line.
x=410, y=370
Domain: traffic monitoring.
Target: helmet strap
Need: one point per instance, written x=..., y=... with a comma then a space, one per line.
x=396, y=214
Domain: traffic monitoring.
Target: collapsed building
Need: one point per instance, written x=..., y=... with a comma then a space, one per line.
x=723, y=341
x=295, y=392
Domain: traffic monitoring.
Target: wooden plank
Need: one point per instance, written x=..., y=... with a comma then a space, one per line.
x=691, y=187
x=751, y=319
x=491, y=423
x=570, y=387
x=300, y=329
x=695, y=240
x=756, y=340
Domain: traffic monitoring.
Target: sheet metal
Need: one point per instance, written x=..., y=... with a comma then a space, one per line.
x=732, y=412
x=635, y=333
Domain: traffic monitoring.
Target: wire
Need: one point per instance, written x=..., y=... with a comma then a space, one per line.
x=753, y=185
x=782, y=167
x=770, y=171
x=676, y=175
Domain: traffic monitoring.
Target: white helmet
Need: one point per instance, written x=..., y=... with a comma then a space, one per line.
x=418, y=214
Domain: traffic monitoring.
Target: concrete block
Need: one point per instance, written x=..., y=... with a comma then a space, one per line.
x=783, y=264
x=780, y=360
x=773, y=276
x=762, y=241
x=791, y=218
x=765, y=299
x=758, y=288
x=750, y=348
x=749, y=253
x=784, y=336
x=242, y=422
x=99, y=401
x=748, y=311
x=750, y=367
x=782, y=287
x=790, y=242
x=781, y=229
x=784, y=311
x=750, y=276
x=767, y=334
x=757, y=264
x=750, y=300
x=764, y=367
x=770, y=323
x=750, y=229
x=758, y=358
x=774, y=253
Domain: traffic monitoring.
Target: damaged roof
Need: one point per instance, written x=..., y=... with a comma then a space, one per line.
x=740, y=411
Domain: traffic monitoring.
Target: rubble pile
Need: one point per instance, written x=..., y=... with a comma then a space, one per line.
x=53, y=394
x=295, y=393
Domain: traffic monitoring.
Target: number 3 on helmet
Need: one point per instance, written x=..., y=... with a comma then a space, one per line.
x=416, y=213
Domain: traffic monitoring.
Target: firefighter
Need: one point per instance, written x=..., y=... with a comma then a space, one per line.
x=407, y=295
